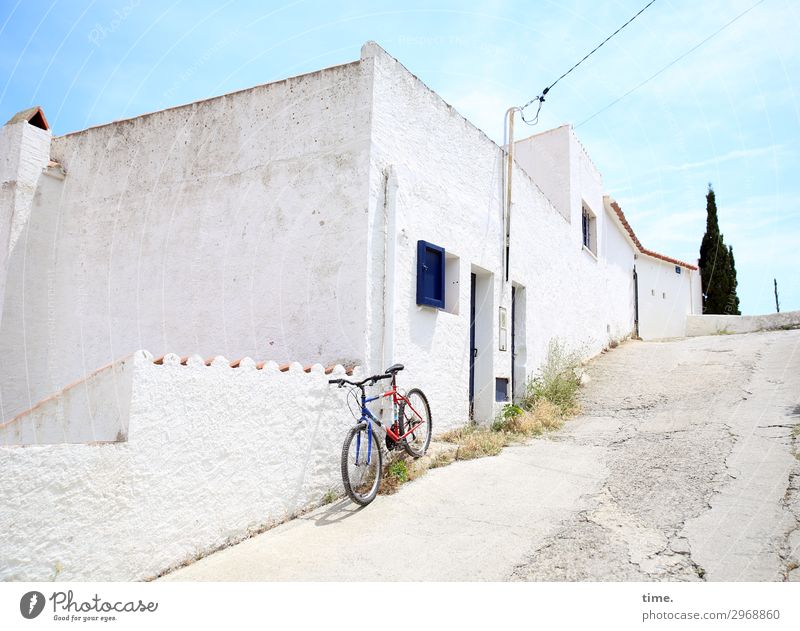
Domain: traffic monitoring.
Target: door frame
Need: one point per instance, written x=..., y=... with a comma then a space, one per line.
x=473, y=352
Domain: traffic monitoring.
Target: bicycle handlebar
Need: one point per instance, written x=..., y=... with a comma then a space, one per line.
x=360, y=384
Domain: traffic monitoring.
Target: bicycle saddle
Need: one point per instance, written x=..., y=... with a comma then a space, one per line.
x=394, y=369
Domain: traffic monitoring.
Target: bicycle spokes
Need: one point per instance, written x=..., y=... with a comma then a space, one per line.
x=363, y=466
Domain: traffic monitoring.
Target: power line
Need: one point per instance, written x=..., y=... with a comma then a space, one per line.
x=670, y=64
x=540, y=98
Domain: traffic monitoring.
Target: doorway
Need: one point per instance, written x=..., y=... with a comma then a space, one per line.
x=518, y=342
x=481, y=347
x=635, y=303
x=473, y=352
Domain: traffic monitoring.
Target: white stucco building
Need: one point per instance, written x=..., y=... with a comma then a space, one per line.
x=284, y=223
x=347, y=216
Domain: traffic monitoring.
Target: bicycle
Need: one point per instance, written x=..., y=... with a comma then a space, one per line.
x=410, y=430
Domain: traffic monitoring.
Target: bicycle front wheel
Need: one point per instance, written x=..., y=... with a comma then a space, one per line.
x=361, y=464
x=415, y=414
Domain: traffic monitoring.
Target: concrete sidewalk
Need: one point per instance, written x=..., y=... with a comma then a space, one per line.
x=682, y=468
x=443, y=526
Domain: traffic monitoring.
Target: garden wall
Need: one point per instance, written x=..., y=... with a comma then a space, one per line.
x=721, y=324
x=213, y=453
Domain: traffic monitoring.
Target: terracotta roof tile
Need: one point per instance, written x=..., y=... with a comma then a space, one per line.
x=640, y=247
x=236, y=363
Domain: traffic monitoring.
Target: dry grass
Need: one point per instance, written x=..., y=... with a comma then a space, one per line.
x=543, y=416
x=550, y=399
x=476, y=442
x=441, y=460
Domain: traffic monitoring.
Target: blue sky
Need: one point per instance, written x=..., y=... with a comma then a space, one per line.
x=728, y=113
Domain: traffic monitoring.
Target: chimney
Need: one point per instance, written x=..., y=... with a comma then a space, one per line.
x=24, y=152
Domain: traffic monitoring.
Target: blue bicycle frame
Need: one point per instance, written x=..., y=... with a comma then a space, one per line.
x=367, y=417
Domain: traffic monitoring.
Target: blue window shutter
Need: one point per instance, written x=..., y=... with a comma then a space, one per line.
x=430, y=275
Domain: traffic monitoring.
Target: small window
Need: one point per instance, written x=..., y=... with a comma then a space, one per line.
x=677, y=269
x=652, y=292
x=589, y=230
x=501, y=389
x=430, y=275
x=664, y=295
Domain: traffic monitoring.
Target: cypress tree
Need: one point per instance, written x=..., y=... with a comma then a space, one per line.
x=717, y=267
x=733, y=300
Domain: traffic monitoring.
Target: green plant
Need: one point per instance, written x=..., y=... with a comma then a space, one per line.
x=717, y=265
x=557, y=381
x=399, y=471
x=509, y=412
x=329, y=497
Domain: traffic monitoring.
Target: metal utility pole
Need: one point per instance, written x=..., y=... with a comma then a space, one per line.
x=777, y=304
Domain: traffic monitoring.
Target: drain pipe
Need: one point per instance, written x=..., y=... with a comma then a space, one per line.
x=389, y=249
x=508, y=140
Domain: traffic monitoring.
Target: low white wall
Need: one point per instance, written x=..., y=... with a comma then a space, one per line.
x=213, y=453
x=95, y=409
x=714, y=324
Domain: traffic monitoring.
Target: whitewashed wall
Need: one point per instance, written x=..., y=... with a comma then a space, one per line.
x=235, y=225
x=617, y=251
x=24, y=153
x=448, y=191
x=213, y=453
x=94, y=409
x=665, y=298
x=723, y=324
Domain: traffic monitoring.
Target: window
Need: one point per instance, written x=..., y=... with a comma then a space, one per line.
x=589, y=230
x=677, y=269
x=500, y=389
x=430, y=275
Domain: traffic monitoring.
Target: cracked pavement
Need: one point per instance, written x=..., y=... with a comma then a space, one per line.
x=683, y=467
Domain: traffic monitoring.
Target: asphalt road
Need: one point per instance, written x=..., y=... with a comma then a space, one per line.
x=682, y=467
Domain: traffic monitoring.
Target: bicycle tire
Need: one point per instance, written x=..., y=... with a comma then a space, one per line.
x=417, y=450
x=351, y=486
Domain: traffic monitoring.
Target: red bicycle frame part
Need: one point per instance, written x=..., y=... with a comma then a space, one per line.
x=396, y=398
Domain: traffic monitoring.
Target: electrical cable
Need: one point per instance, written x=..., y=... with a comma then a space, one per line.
x=670, y=64
x=540, y=98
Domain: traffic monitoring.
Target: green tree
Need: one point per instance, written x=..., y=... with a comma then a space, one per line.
x=717, y=267
x=733, y=299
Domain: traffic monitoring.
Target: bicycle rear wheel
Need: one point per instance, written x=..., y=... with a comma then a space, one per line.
x=361, y=464
x=416, y=413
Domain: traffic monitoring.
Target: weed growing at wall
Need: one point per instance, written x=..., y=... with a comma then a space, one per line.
x=551, y=397
x=557, y=381
x=330, y=497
